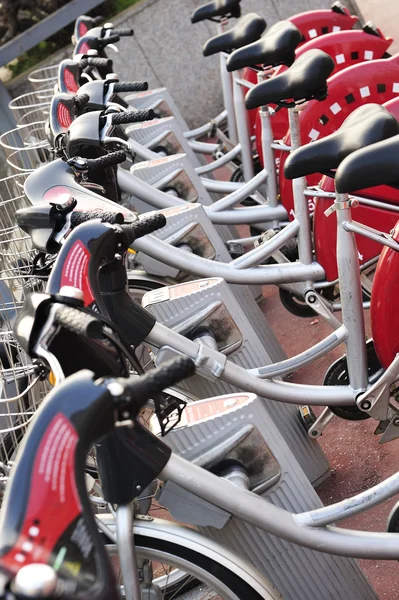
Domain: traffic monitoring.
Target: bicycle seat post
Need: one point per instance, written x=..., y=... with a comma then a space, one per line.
x=351, y=295
x=227, y=86
x=267, y=151
x=299, y=186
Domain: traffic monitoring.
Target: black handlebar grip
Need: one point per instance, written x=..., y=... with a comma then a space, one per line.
x=95, y=61
x=79, y=102
x=78, y=322
x=102, y=63
x=112, y=39
x=78, y=217
x=123, y=32
x=143, y=388
x=133, y=116
x=133, y=86
x=94, y=165
x=144, y=226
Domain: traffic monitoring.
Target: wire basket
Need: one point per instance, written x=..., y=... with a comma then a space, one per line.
x=21, y=389
x=44, y=78
x=26, y=160
x=27, y=136
x=35, y=115
x=29, y=102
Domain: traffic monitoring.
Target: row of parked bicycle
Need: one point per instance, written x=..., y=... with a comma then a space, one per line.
x=120, y=255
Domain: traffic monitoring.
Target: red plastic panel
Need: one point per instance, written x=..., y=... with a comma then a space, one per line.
x=314, y=23
x=375, y=81
x=384, y=299
x=346, y=48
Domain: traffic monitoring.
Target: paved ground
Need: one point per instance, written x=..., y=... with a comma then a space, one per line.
x=385, y=14
x=357, y=460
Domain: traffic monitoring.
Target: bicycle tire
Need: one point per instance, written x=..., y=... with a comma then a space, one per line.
x=223, y=579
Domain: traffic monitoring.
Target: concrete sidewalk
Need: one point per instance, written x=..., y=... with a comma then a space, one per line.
x=384, y=14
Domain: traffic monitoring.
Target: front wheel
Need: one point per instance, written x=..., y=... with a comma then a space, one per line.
x=171, y=570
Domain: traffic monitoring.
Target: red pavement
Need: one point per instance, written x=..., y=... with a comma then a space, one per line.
x=355, y=456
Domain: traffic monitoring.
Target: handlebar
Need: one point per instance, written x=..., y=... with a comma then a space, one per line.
x=134, y=86
x=112, y=159
x=133, y=116
x=143, y=227
x=92, y=166
x=122, y=32
x=96, y=61
x=78, y=322
x=141, y=389
x=79, y=217
x=79, y=102
x=112, y=39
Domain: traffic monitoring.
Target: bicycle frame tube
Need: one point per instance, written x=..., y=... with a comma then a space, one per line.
x=294, y=528
x=227, y=88
x=202, y=267
x=351, y=296
x=217, y=365
x=300, y=202
x=243, y=133
x=268, y=157
x=240, y=216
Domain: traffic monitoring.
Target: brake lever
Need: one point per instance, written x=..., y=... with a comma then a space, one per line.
x=168, y=413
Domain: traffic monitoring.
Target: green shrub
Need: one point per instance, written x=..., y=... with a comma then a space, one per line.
x=108, y=10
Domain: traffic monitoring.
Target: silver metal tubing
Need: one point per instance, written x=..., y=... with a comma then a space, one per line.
x=159, y=200
x=248, y=241
x=375, y=203
x=269, y=160
x=228, y=97
x=204, y=129
x=304, y=358
x=221, y=187
x=203, y=147
x=202, y=267
x=351, y=296
x=301, y=206
x=220, y=162
x=141, y=150
x=351, y=506
x=279, y=145
x=245, y=83
x=319, y=193
x=254, y=509
x=132, y=185
x=268, y=157
x=256, y=256
x=372, y=234
x=244, y=136
x=282, y=391
x=337, y=306
x=255, y=215
x=241, y=193
x=126, y=552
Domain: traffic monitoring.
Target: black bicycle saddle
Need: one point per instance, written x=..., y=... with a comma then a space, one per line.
x=276, y=47
x=376, y=165
x=217, y=8
x=248, y=29
x=305, y=80
x=367, y=125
